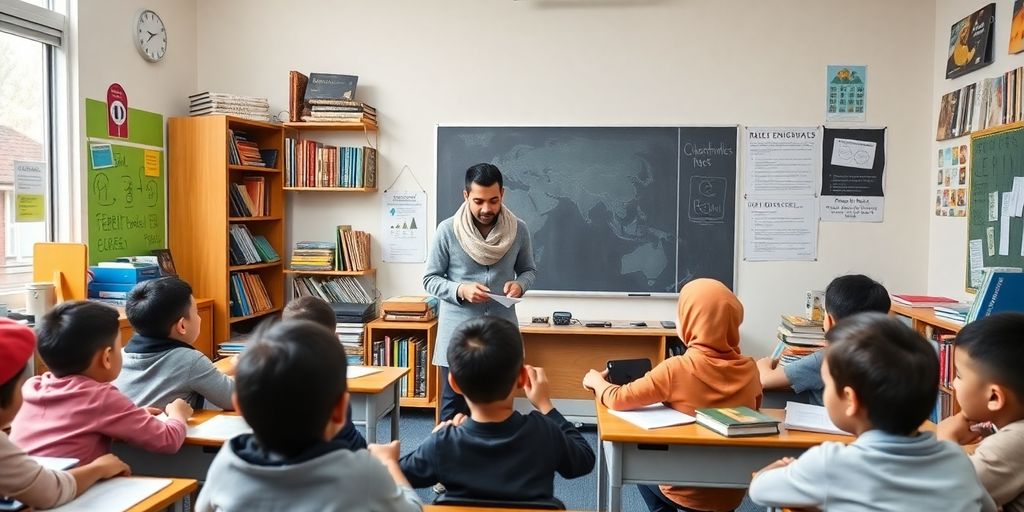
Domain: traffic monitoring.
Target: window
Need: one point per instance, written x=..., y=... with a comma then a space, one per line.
x=30, y=36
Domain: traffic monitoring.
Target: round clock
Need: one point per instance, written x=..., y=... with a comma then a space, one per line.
x=150, y=35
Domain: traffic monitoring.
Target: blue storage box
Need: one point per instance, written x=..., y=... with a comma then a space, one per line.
x=124, y=274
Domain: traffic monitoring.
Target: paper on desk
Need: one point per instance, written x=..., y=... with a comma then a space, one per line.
x=221, y=427
x=811, y=418
x=116, y=494
x=654, y=416
x=504, y=301
x=354, y=372
x=55, y=463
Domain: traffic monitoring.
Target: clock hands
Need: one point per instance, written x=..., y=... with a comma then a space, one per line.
x=151, y=36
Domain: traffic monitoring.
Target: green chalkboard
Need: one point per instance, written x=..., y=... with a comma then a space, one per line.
x=125, y=201
x=996, y=158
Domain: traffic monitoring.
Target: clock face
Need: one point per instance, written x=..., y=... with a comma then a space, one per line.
x=150, y=36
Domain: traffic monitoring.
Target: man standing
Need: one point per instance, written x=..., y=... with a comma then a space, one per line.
x=482, y=249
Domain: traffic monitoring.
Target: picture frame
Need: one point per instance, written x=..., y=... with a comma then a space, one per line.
x=166, y=262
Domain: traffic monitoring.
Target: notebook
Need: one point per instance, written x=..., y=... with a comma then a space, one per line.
x=654, y=416
x=222, y=427
x=810, y=418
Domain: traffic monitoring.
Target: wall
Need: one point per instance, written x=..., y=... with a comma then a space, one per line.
x=601, y=62
x=947, y=237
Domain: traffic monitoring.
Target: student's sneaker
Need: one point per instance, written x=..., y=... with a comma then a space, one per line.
x=439, y=489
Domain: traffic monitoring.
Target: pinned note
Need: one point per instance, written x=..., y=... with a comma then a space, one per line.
x=151, y=162
x=1004, y=224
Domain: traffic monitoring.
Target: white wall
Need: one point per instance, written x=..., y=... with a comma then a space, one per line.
x=947, y=240
x=594, y=62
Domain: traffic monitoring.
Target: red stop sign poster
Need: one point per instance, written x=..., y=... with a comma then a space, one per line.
x=117, y=111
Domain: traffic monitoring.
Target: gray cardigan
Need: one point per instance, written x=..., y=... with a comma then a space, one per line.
x=156, y=379
x=448, y=266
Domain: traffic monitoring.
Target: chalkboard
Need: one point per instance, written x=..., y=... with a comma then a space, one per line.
x=610, y=209
x=996, y=158
x=125, y=201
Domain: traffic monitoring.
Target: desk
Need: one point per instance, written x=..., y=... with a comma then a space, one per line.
x=172, y=496
x=567, y=352
x=192, y=461
x=688, y=455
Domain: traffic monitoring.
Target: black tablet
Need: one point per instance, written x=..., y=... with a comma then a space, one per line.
x=624, y=371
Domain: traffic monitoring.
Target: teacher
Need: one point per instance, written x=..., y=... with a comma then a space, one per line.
x=482, y=249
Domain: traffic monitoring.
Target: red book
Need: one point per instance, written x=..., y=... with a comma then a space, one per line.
x=921, y=301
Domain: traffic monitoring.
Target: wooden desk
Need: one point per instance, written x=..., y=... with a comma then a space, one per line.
x=688, y=455
x=375, y=396
x=567, y=352
x=172, y=497
x=192, y=460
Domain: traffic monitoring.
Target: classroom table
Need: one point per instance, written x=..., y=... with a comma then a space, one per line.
x=171, y=497
x=192, y=460
x=687, y=455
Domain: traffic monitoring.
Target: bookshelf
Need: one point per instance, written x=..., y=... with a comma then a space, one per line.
x=924, y=321
x=378, y=329
x=331, y=189
x=321, y=126
x=199, y=179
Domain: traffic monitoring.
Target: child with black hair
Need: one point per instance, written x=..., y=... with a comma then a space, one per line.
x=881, y=379
x=73, y=410
x=498, y=453
x=319, y=311
x=160, y=362
x=844, y=296
x=21, y=477
x=989, y=387
x=290, y=461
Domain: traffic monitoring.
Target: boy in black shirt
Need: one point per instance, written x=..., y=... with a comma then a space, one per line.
x=498, y=453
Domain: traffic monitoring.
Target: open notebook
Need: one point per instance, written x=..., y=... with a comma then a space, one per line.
x=811, y=418
x=654, y=416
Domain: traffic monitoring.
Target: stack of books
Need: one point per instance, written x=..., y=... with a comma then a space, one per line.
x=333, y=290
x=340, y=111
x=922, y=301
x=243, y=150
x=249, y=198
x=314, y=256
x=230, y=348
x=248, y=295
x=246, y=249
x=737, y=421
x=353, y=250
x=944, y=344
x=411, y=308
x=404, y=352
x=798, y=338
x=956, y=312
x=351, y=337
x=112, y=280
x=309, y=163
x=219, y=103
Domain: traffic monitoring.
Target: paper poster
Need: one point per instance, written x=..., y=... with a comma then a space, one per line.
x=993, y=206
x=102, y=156
x=977, y=262
x=990, y=235
x=151, y=162
x=951, y=181
x=29, y=191
x=780, y=228
x=782, y=160
x=1004, y=224
x=853, y=153
x=853, y=174
x=403, y=226
x=846, y=93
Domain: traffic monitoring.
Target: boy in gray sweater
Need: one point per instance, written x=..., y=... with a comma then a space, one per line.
x=160, y=363
x=291, y=461
x=881, y=380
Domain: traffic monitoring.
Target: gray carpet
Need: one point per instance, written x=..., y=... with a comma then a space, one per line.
x=577, y=494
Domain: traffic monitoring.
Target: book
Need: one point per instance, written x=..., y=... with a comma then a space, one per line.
x=737, y=421
x=798, y=324
x=330, y=86
x=810, y=418
x=296, y=95
x=1001, y=291
x=922, y=301
x=410, y=304
x=970, y=42
x=654, y=416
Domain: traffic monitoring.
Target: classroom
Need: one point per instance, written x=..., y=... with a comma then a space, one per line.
x=568, y=254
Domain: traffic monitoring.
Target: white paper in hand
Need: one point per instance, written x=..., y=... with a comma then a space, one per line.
x=221, y=427
x=810, y=418
x=503, y=300
x=654, y=416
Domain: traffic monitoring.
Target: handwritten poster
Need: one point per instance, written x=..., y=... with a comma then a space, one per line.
x=126, y=201
x=853, y=175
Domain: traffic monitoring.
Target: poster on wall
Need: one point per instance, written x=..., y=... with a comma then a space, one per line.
x=853, y=174
x=780, y=228
x=951, y=181
x=970, y=42
x=781, y=160
x=403, y=226
x=125, y=188
x=1017, y=27
x=846, y=93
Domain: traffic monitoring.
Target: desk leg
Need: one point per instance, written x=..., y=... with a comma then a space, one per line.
x=371, y=419
x=602, y=466
x=178, y=506
x=395, y=414
x=614, y=462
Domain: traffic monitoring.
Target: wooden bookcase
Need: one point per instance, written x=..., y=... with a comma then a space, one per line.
x=924, y=321
x=378, y=329
x=198, y=202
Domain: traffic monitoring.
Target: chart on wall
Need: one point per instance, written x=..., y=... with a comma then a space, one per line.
x=125, y=184
x=609, y=209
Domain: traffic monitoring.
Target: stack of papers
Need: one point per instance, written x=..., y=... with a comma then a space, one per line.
x=810, y=418
x=654, y=416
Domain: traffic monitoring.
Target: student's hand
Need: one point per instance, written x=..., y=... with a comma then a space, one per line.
x=110, y=465
x=537, y=389
x=179, y=409
x=229, y=368
x=456, y=421
x=765, y=364
x=474, y=292
x=513, y=289
x=957, y=428
x=386, y=452
x=155, y=411
x=595, y=379
x=781, y=463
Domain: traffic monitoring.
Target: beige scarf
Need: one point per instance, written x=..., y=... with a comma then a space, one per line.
x=485, y=251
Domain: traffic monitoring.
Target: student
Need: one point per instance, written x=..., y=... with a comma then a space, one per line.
x=989, y=387
x=497, y=453
x=22, y=478
x=319, y=311
x=845, y=295
x=160, y=363
x=73, y=410
x=881, y=379
x=711, y=373
x=292, y=390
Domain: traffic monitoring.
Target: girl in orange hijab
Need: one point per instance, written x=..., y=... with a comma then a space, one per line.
x=712, y=373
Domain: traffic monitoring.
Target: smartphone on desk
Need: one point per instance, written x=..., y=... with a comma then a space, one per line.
x=624, y=371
